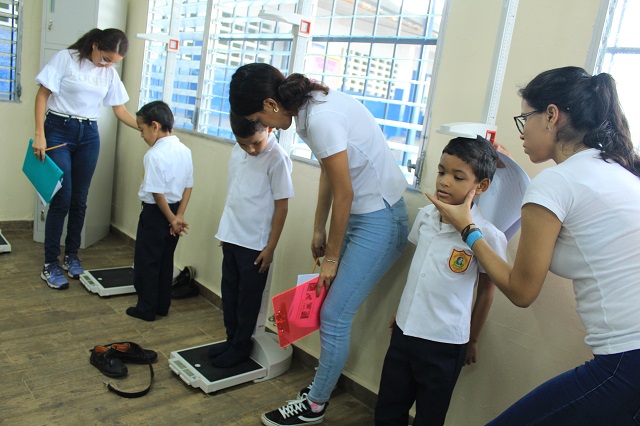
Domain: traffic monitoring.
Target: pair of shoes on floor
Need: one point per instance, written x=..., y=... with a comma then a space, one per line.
x=54, y=277
x=184, y=286
x=72, y=265
x=110, y=358
x=296, y=412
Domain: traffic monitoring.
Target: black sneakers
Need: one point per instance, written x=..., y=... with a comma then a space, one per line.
x=297, y=412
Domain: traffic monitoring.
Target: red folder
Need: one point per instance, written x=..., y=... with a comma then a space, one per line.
x=297, y=311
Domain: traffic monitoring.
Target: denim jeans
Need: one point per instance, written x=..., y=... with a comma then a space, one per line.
x=603, y=391
x=78, y=161
x=372, y=243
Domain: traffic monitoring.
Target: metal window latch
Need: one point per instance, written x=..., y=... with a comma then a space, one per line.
x=416, y=167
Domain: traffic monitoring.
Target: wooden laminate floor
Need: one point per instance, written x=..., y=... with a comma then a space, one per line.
x=46, y=334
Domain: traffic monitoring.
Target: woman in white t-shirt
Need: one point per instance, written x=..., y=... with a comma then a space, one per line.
x=579, y=221
x=72, y=85
x=360, y=182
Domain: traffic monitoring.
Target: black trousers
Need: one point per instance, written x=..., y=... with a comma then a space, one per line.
x=417, y=370
x=153, y=261
x=242, y=287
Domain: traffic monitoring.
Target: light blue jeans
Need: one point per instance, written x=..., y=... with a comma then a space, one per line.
x=372, y=243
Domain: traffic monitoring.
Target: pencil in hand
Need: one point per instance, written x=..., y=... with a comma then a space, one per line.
x=54, y=147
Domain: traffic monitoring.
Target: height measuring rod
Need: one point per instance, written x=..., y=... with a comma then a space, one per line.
x=500, y=57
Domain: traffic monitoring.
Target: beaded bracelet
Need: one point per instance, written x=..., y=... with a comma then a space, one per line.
x=473, y=236
x=326, y=259
x=466, y=230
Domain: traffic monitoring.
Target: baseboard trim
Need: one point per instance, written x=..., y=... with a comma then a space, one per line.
x=15, y=225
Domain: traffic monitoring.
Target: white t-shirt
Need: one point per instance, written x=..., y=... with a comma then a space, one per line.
x=437, y=298
x=253, y=185
x=168, y=170
x=338, y=122
x=598, y=247
x=78, y=87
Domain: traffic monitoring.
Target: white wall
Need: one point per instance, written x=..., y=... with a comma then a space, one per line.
x=518, y=349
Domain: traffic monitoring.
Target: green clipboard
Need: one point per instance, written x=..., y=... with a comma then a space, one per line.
x=45, y=176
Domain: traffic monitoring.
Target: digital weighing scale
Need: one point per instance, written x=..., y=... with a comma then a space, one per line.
x=268, y=359
x=109, y=281
x=5, y=247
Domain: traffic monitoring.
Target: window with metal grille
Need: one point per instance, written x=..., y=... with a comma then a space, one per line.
x=10, y=35
x=620, y=56
x=379, y=51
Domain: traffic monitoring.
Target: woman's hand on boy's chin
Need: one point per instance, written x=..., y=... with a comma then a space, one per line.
x=457, y=215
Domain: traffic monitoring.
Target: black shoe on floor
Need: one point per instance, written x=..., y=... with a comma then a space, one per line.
x=132, y=352
x=134, y=312
x=103, y=359
x=295, y=413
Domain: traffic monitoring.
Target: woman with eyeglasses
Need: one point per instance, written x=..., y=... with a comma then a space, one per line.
x=580, y=220
x=73, y=84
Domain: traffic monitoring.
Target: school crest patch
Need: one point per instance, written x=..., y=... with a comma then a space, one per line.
x=459, y=260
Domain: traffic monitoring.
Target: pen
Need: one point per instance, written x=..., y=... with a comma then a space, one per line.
x=57, y=146
x=315, y=264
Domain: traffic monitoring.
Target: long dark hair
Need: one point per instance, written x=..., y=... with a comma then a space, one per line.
x=593, y=107
x=109, y=40
x=251, y=84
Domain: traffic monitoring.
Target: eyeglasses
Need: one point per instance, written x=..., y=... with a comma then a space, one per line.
x=106, y=61
x=521, y=120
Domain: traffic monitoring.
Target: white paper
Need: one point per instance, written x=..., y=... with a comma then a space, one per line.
x=501, y=203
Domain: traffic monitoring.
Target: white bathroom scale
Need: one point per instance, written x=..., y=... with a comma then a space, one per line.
x=5, y=247
x=109, y=281
x=268, y=359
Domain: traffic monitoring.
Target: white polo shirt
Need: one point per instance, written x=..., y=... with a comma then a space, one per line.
x=598, y=246
x=437, y=298
x=338, y=122
x=253, y=185
x=78, y=87
x=168, y=170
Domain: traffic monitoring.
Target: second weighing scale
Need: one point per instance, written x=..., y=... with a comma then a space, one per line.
x=268, y=359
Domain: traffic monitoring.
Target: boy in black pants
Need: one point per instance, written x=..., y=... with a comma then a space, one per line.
x=164, y=192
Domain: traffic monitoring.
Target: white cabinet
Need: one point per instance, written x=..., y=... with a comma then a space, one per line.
x=63, y=22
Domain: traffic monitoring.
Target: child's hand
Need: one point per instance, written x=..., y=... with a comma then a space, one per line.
x=472, y=353
x=264, y=259
x=179, y=226
x=318, y=243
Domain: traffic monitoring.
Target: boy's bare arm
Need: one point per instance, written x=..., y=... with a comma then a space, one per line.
x=484, y=299
x=277, y=224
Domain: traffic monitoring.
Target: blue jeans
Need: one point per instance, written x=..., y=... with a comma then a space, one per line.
x=372, y=243
x=78, y=161
x=603, y=391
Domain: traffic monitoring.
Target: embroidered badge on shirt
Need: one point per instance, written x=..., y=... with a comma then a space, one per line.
x=459, y=261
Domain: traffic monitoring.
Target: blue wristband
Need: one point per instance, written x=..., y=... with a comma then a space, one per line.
x=473, y=236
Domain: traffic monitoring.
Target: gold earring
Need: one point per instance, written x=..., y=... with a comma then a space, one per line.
x=275, y=109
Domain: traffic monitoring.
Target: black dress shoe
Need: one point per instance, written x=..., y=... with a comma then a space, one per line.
x=103, y=359
x=132, y=352
x=134, y=312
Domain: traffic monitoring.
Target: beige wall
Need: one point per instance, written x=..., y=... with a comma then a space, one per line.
x=519, y=348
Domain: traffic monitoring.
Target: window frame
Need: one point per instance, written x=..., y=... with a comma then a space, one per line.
x=13, y=17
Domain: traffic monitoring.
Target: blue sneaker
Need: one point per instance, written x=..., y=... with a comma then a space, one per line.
x=54, y=277
x=73, y=266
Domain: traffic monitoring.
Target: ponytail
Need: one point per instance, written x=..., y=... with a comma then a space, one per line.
x=593, y=108
x=109, y=40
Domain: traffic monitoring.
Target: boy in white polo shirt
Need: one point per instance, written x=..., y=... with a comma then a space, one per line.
x=435, y=331
x=254, y=213
x=164, y=192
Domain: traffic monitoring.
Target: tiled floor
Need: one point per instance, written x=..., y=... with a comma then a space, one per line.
x=45, y=337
